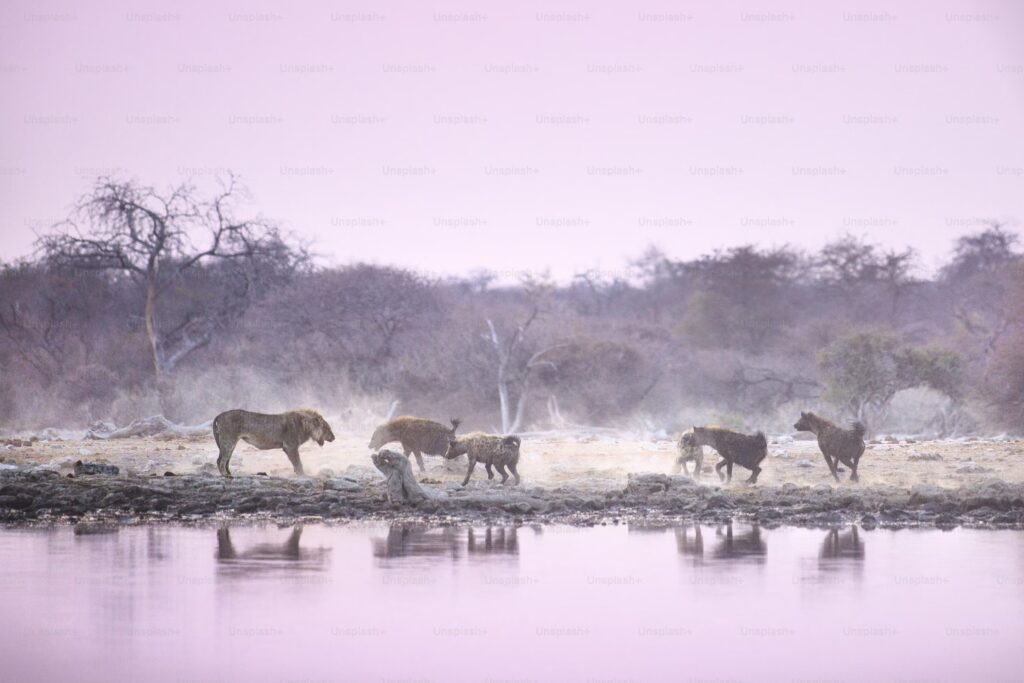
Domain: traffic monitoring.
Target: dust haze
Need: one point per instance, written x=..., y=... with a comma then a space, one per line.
x=183, y=303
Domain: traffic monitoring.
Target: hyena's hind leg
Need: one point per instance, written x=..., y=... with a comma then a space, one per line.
x=512, y=467
x=419, y=458
x=853, y=468
x=226, y=446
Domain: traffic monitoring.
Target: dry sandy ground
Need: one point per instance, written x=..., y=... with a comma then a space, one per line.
x=589, y=463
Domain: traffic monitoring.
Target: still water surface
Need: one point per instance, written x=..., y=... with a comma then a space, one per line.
x=414, y=603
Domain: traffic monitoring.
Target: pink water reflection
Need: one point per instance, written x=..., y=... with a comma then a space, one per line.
x=373, y=603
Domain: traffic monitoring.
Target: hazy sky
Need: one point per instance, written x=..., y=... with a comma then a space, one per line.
x=453, y=136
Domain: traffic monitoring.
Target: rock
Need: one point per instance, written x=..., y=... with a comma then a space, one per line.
x=96, y=468
x=342, y=484
x=18, y=502
x=804, y=463
x=926, y=493
x=971, y=467
x=95, y=528
x=645, y=483
x=325, y=473
x=924, y=456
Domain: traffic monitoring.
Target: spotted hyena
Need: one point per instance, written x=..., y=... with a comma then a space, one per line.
x=838, y=445
x=689, y=451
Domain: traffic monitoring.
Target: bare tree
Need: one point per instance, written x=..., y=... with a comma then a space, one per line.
x=515, y=364
x=151, y=238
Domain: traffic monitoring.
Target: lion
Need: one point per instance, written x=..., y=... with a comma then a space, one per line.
x=287, y=431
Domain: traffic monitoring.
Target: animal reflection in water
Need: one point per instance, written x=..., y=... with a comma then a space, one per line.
x=841, y=547
x=268, y=557
x=417, y=540
x=742, y=546
x=730, y=546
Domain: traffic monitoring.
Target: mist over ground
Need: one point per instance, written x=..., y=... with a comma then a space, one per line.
x=126, y=311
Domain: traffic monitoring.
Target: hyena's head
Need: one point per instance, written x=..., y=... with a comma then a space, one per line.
x=699, y=435
x=805, y=423
x=381, y=436
x=455, y=449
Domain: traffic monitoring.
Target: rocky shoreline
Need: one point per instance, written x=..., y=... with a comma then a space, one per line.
x=39, y=495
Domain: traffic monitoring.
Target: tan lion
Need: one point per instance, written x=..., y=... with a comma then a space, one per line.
x=287, y=431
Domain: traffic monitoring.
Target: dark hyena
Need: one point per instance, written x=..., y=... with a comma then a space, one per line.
x=416, y=435
x=745, y=450
x=838, y=445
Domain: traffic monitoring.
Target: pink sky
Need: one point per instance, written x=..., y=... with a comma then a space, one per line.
x=453, y=136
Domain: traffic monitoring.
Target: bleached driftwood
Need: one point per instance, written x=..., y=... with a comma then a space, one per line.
x=157, y=425
x=402, y=486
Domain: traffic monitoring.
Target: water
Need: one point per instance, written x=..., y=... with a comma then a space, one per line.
x=407, y=603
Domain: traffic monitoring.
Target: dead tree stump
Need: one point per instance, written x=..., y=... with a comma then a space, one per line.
x=402, y=486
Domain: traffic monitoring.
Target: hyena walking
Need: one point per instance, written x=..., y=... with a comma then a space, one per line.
x=838, y=445
x=746, y=450
x=499, y=451
x=417, y=436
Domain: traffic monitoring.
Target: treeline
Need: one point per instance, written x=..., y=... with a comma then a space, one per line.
x=146, y=302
